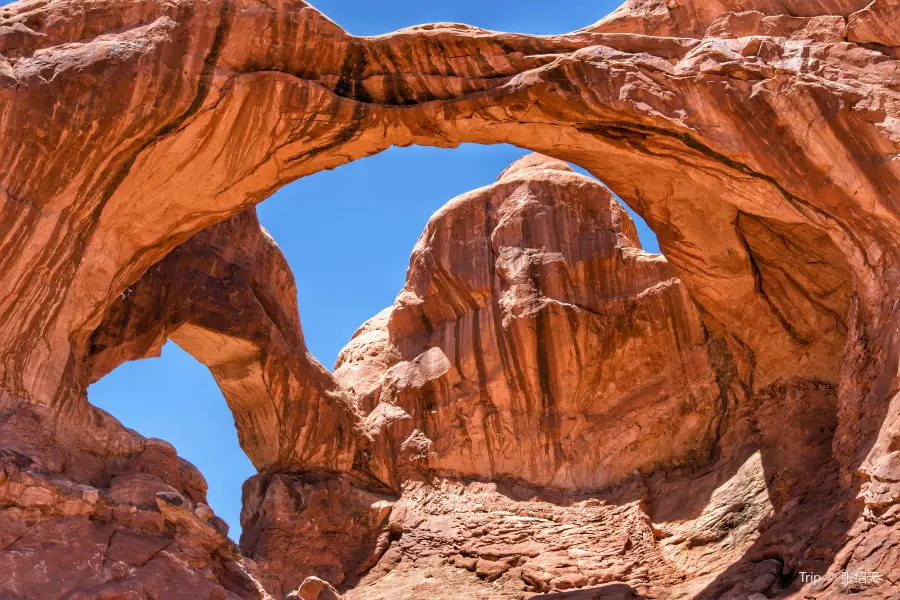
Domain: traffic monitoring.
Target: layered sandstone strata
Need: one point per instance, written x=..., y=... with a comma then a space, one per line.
x=757, y=138
x=535, y=341
x=533, y=294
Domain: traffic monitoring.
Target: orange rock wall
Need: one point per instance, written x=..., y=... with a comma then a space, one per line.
x=535, y=341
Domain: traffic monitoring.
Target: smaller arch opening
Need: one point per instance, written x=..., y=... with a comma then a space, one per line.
x=174, y=397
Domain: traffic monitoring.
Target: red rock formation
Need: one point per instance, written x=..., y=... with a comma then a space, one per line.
x=536, y=341
x=697, y=18
x=124, y=519
x=314, y=588
x=300, y=525
x=547, y=250
x=228, y=297
x=760, y=147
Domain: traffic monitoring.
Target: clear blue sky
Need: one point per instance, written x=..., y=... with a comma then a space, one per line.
x=347, y=234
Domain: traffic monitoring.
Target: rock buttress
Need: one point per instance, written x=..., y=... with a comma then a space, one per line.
x=535, y=341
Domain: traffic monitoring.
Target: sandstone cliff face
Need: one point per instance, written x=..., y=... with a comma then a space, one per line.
x=694, y=18
x=757, y=138
x=545, y=251
x=536, y=341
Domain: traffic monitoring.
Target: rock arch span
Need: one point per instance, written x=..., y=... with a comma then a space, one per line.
x=757, y=139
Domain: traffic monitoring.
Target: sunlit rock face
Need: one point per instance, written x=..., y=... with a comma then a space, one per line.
x=532, y=294
x=535, y=341
x=758, y=138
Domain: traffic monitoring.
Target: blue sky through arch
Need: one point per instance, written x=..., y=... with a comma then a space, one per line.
x=347, y=234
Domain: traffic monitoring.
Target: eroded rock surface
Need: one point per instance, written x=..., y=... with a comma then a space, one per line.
x=758, y=138
x=535, y=341
x=228, y=297
x=710, y=478
x=128, y=520
x=297, y=526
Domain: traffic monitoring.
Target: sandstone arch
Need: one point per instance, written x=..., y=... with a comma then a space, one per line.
x=193, y=135
x=749, y=141
x=227, y=296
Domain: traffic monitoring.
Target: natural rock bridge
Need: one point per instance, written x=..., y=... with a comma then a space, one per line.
x=709, y=424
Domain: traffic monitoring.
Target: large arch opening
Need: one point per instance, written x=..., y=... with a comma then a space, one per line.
x=348, y=233
x=347, y=236
x=530, y=16
x=204, y=296
x=773, y=256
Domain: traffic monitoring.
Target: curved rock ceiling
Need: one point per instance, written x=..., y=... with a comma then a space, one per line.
x=758, y=139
